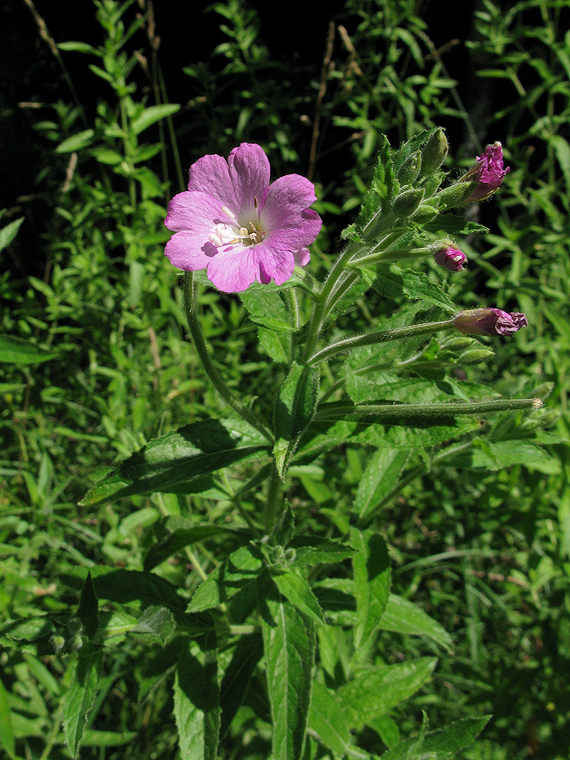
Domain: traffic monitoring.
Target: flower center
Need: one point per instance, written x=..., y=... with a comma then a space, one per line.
x=232, y=232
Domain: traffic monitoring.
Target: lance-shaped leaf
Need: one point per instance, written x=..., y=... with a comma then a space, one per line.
x=442, y=745
x=171, y=462
x=293, y=412
x=237, y=675
x=289, y=643
x=197, y=703
x=242, y=567
x=403, y=616
x=328, y=722
x=151, y=115
x=14, y=350
x=371, y=582
x=378, y=480
x=394, y=282
x=376, y=691
x=296, y=589
x=81, y=695
x=180, y=538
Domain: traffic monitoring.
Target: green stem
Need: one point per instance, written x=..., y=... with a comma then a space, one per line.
x=273, y=499
x=398, y=333
x=211, y=371
x=320, y=312
x=394, y=413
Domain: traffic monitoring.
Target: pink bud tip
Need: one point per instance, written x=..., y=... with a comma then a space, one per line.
x=451, y=258
x=490, y=322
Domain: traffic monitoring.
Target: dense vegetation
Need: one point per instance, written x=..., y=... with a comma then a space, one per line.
x=95, y=361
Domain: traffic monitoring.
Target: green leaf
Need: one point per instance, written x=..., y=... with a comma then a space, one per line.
x=371, y=582
x=393, y=282
x=402, y=616
x=170, y=462
x=378, y=480
x=76, y=142
x=79, y=47
x=88, y=607
x=9, y=232
x=314, y=551
x=240, y=568
x=156, y=624
x=269, y=309
x=178, y=540
x=328, y=721
x=277, y=345
x=381, y=193
x=290, y=653
x=237, y=675
x=296, y=589
x=134, y=585
x=293, y=412
x=496, y=455
x=81, y=695
x=93, y=738
x=19, y=351
x=27, y=629
x=151, y=115
x=7, y=739
x=439, y=745
x=377, y=691
x=197, y=703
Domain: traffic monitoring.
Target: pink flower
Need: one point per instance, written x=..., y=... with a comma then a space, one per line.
x=237, y=226
x=490, y=322
x=451, y=258
x=488, y=172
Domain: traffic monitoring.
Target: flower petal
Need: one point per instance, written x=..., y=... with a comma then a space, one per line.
x=307, y=227
x=188, y=251
x=235, y=270
x=249, y=171
x=210, y=174
x=194, y=211
x=286, y=199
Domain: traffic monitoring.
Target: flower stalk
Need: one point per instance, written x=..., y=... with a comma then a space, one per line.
x=190, y=307
x=397, y=333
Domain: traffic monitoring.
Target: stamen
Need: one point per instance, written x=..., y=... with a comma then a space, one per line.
x=254, y=203
x=229, y=212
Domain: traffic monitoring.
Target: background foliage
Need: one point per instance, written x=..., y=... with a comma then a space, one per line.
x=95, y=361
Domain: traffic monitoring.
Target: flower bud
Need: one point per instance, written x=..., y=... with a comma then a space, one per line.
x=490, y=322
x=74, y=643
x=407, y=202
x=454, y=195
x=475, y=356
x=488, y=173
x=434, y=152
x=410, y=169
x=451, y=258
x=57, y=642
x=425, y=214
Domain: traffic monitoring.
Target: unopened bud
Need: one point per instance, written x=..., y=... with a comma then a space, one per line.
x=410, y=169
x=57, y=642
x=434, y=152
x=475, y=356
x=407, y=202
x=490, y=322
x=451, y=258
x=425, y=214
x=455, y=195
x=74, y=643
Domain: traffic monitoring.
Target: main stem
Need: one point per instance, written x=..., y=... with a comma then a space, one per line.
x=211, y=371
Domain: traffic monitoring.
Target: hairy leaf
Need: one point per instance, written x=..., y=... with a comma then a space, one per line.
x=172, y=460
